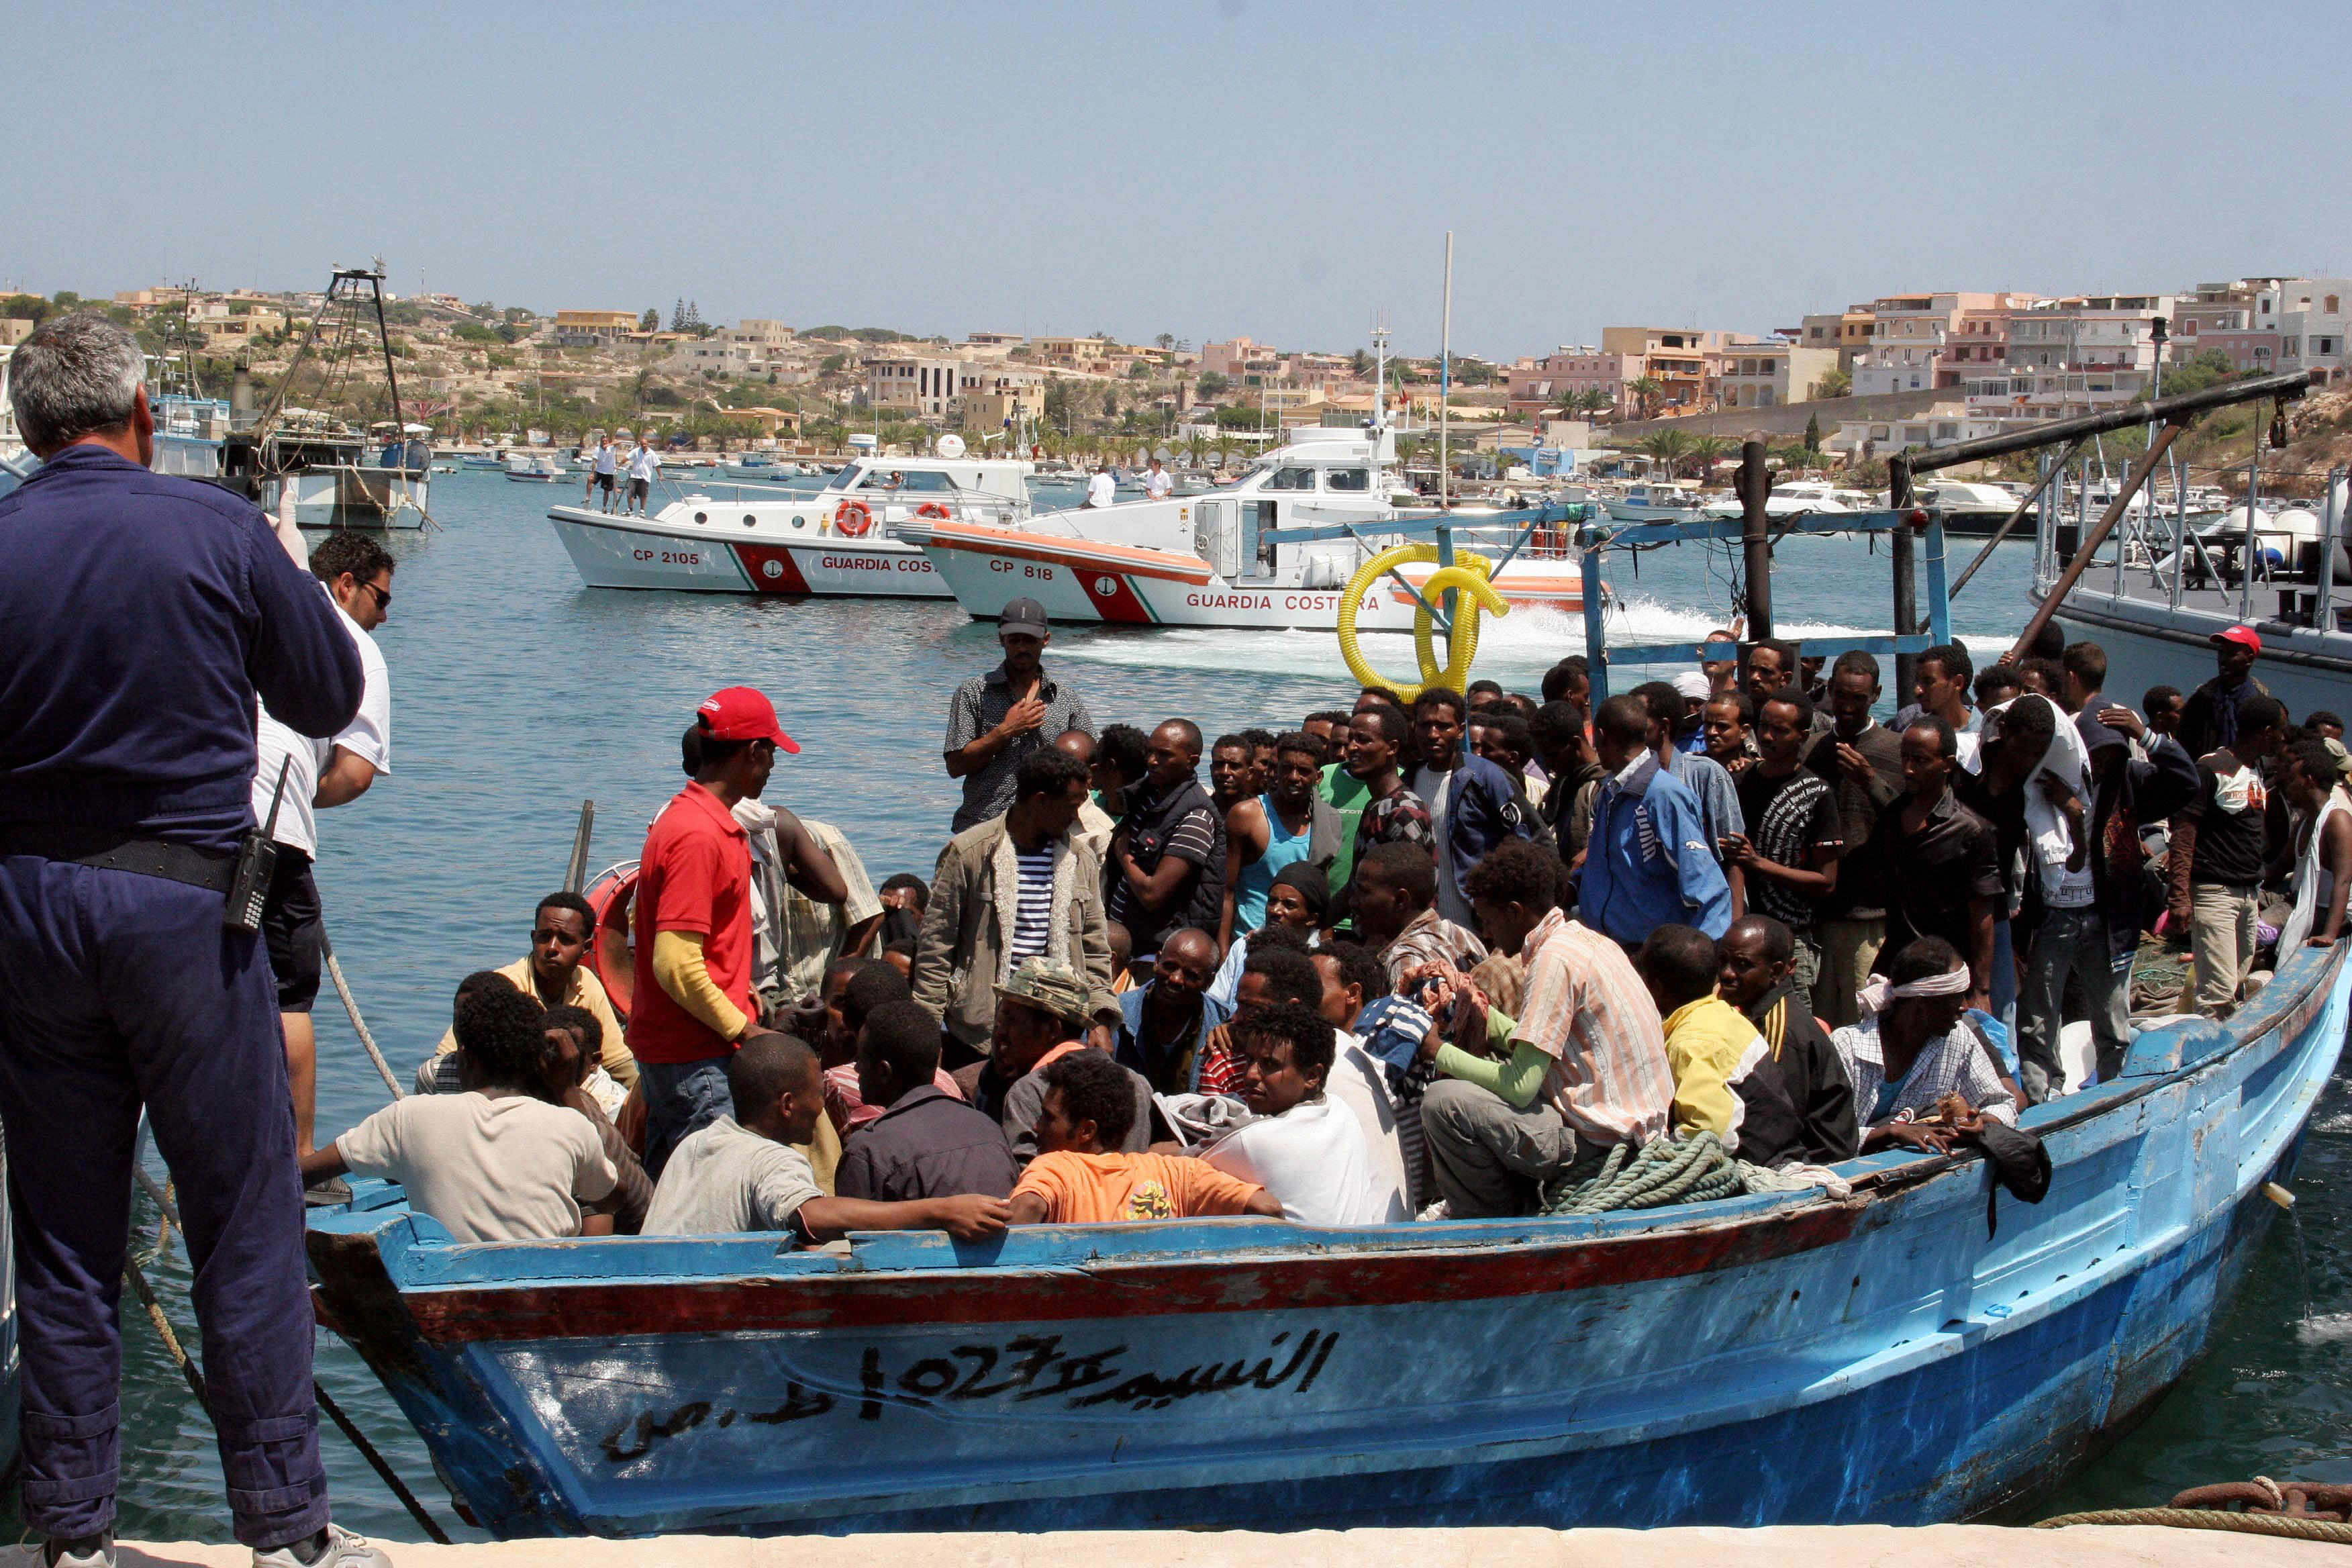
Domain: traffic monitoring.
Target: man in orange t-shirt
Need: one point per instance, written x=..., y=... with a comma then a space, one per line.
x=1088, y=1105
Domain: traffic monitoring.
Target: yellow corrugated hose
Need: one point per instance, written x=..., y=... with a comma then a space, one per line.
x=1468, y=576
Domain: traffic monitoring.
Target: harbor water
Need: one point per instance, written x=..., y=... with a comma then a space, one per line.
x=516, y=693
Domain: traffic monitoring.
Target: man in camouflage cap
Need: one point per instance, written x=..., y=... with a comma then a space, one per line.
x=1042, y=1015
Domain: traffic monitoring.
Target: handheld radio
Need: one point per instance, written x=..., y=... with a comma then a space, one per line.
x=257, y=860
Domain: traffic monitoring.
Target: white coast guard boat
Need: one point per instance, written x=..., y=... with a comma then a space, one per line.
x=1213, y=560
x=846, y=540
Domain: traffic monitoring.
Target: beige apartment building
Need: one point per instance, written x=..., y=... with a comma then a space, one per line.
x=592, y=329
x=1771, y=375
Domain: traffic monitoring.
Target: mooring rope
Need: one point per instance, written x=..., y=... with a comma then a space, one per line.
x=358, y=1024
x=2211, y=1518
x=1666, y=1171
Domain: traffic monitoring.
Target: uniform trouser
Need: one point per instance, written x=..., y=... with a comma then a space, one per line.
x=2071, y=941
x=117, y=990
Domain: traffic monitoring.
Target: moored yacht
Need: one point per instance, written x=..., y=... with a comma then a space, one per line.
x=847, y=539
x=1797, y=497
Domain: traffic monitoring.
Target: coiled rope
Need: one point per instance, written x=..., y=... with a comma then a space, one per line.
x=1665, y=1171
x=2267, y=1508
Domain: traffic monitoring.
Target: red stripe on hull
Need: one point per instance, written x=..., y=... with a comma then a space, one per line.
x=468, y=1315
x=771, y=568
x=1113, y=597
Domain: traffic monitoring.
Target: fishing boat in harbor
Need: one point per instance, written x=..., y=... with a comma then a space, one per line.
x=535, y=467
x=1918, y=1347
x=1240, y=555
x=852, y=538
x=1655, y=501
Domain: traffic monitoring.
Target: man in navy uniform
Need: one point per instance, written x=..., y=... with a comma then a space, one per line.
x=140, y=617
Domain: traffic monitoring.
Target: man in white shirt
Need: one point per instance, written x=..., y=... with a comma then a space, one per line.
x=1158, y=482
x=602, y=471
x=1099, y=487
x=357, y=573
x=1301, y=1145
x=644, y=467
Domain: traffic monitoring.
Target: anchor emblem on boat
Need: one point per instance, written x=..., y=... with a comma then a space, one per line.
x=1105, y=586
x=772, y=568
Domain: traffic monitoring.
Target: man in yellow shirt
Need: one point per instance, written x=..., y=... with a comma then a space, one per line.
x=561, y=929
x=1725, y=1081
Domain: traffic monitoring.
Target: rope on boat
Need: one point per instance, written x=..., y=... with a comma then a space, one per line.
x=2286, y=1524
x=1666, y=1171
x=381, y=1467
x=358, y=1024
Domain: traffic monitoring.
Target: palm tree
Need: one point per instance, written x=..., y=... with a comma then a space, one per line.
x=1704, y=452
x=1834, y=383
x=1196, y=447
x=1224, y=444
x=1646, y=392
x=1666, y=448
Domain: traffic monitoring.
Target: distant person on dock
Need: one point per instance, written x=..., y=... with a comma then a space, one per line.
x=732, y=1175
x=997, y=719
x=1862, y=760
x=357, y=572
x=1158, y=482
x=693, y=925
x=1081, y=1176
x=924, y=1141
x=140, y=616
x=2221, y=846
x=562, y=927
x=2210, y=717
x=602, y=470
x=1008, y=890
x=1100, y=488
x=645, y=468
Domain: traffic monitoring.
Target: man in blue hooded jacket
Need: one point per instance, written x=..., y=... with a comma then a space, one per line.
x=1648, y=862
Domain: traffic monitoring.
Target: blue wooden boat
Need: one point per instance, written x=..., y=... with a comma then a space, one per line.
x=1924, y=1349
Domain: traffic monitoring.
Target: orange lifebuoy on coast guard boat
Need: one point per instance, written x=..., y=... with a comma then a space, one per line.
x=931, y=509
x=852, y=519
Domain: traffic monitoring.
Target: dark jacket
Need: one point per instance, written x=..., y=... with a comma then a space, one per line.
x=2137, y=791
x=1486, y=806
x=1812, y=1072
x=1200, y=900
x=2210, y=717
x=927, y=1145
x=140, y=614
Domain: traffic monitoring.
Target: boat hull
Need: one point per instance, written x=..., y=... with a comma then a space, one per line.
x=2149, y=644
x=1083, y=580
x=1922, y=1350
x=349, y=498
x=612, y=551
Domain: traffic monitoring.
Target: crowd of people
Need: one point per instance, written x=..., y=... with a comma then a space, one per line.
x=1437, y=959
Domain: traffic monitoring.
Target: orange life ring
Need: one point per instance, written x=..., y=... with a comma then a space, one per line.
x=610, y=956
x=931, y=509
x=852, y=519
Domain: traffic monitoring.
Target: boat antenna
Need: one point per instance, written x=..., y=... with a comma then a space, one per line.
x=1446, y=379
x=1380, y=373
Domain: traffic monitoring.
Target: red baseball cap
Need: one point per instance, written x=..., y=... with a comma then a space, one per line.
x=2245, y=636
x=742, y=713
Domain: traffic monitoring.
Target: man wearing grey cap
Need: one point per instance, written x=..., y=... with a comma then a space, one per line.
x=997, y=719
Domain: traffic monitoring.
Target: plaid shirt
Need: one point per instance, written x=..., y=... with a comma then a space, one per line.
x=1427, y=938
x=1959, y=1061
x=1589, y=1011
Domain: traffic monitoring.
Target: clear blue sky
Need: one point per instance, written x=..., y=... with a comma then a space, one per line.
x=1237, y=166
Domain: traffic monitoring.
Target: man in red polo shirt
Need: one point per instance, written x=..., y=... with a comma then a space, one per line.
x=693, y=925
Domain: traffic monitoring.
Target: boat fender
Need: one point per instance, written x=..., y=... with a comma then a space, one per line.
x=853, y=519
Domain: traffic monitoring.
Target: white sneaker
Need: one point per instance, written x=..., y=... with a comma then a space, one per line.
x=342, y=1550
x=53, y=1554
x=1441, y=1209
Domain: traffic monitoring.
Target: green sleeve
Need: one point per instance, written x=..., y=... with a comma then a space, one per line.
x=1515, y=1081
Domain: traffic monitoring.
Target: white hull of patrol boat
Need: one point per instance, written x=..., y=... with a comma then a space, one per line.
x=702, y=546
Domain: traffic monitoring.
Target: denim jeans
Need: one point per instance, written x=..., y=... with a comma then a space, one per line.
x=2071, y=941
x=680, y=1098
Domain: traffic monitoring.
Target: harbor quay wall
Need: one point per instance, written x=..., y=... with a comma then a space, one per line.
x=1815, y=1546
x=1788, y=418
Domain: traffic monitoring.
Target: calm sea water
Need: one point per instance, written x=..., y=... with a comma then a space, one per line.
x=518, y=693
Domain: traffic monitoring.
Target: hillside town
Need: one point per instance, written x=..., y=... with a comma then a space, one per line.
x=1835, y=390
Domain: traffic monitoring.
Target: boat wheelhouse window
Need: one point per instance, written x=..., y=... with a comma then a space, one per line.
x=845, y=478
x=1291, y=479
x=933, y=482
x=1346, y=478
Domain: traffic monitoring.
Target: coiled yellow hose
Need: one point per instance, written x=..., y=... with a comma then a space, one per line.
x=1468, y=575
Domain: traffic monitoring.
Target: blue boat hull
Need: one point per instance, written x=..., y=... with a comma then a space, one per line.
x=1921, y=1350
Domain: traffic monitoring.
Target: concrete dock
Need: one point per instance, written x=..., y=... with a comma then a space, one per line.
x=1818, y=1546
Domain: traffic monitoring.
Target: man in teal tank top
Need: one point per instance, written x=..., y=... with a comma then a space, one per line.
x=1290, y=823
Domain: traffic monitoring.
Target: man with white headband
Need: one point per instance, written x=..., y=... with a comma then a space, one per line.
x=1914, y=1046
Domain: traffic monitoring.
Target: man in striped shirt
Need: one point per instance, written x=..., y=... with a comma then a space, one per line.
x=1540, y=1100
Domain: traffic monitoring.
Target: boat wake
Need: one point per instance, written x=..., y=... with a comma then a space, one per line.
x=2325, y=1329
